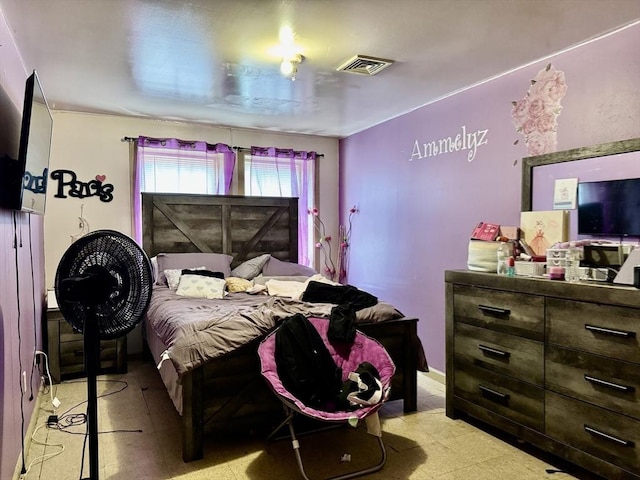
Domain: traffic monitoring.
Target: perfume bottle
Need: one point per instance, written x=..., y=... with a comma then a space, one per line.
x=511, y=267
x=503, y=255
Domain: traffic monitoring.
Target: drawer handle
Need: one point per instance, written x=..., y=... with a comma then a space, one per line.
x=620, y=441
x=494, y=310
x=494, y=351
x=485, y=390
x=605, y=383
x=610, y=331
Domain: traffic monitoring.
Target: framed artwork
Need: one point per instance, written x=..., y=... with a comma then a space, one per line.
x=542, y=229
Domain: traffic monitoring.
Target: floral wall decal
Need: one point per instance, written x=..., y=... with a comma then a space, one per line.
x=536, y=114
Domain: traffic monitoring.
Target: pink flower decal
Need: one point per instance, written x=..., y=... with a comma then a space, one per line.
x=536, y=114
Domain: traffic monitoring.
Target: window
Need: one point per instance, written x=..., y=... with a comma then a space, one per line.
x=175, y=166
x=273, y=172
x=184, y=167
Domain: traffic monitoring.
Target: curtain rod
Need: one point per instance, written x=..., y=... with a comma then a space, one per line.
x=235, y=147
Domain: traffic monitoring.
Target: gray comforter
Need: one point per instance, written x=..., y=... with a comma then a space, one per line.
x=197, y=330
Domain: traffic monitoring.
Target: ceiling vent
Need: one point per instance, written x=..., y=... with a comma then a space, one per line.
x=364, y=65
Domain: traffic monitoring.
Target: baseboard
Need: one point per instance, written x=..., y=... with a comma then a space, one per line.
x=436, y=375
x=17, y=474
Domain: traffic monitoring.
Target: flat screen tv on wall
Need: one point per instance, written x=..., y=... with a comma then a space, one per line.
x=609, y=208
x=23, y=180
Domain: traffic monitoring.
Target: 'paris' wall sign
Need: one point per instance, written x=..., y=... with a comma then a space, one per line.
x=68, y=184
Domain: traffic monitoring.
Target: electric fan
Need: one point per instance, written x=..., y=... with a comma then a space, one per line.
x=103, y=287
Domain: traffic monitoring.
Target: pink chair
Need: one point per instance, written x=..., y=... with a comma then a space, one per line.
x=348, y=357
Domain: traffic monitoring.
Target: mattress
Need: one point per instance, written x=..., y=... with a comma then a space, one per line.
x=196, y=330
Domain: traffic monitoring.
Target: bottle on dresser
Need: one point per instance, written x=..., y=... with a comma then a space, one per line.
x=504, y=253
x=572, y=265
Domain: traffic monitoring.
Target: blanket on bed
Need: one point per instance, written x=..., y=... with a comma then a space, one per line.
x=196, y=330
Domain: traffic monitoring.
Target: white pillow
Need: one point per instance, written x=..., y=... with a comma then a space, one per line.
x=199, y=286
x=262, y=280
x=284, y=288
x=173, y=276
x=154, y=269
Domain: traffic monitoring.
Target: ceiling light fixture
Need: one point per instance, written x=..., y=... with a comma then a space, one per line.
x=289, y=65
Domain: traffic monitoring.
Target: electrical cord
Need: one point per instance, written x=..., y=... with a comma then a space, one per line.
x=68, y=420
x=46, y=365
x=122, y=382
x=21, y=379
x=80, y=418
x=35, y=327
x=44, y=456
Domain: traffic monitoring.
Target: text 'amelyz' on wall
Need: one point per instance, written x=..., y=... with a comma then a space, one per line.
x=462, y=141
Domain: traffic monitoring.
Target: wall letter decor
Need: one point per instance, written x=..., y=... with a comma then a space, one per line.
x=78, y=189
x=36, y=183
x=461, y=141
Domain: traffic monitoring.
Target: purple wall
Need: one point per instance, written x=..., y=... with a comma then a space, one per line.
x=21, y=304
x=415, y=217
x=20, y=330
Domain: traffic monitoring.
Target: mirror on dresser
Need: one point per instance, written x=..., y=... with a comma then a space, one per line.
x=607, y=161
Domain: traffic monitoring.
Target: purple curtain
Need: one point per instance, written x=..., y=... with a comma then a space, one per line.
x=177, y=166
x=285, y=173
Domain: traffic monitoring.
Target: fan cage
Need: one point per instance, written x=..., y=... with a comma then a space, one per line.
x=129, y=268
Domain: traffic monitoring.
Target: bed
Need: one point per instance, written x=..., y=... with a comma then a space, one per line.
x=226, y=394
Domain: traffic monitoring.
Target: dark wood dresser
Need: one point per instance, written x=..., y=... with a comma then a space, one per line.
x=65, y=349
x=554, y=363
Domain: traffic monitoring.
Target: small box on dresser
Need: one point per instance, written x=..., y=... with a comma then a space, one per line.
x=555, y=364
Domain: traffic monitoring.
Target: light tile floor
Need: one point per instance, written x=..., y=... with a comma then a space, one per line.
x=141, y=440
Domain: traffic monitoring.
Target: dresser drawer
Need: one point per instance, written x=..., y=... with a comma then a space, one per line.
x=601, y=329
x=610, y=436
x=500, y=352
x=68, y=333
x=72, y=353
x=604, y=381
x=509, y=312
x=518, y=401
x=66, y=350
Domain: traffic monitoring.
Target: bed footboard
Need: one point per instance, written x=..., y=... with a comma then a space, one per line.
x=230, y=395
x=399, y=339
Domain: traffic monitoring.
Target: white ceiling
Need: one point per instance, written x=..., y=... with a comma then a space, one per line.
x=208, y=61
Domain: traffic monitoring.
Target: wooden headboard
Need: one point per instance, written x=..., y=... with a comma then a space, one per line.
x=243, y=227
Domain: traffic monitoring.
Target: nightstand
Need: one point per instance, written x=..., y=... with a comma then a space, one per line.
x=66, y=350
